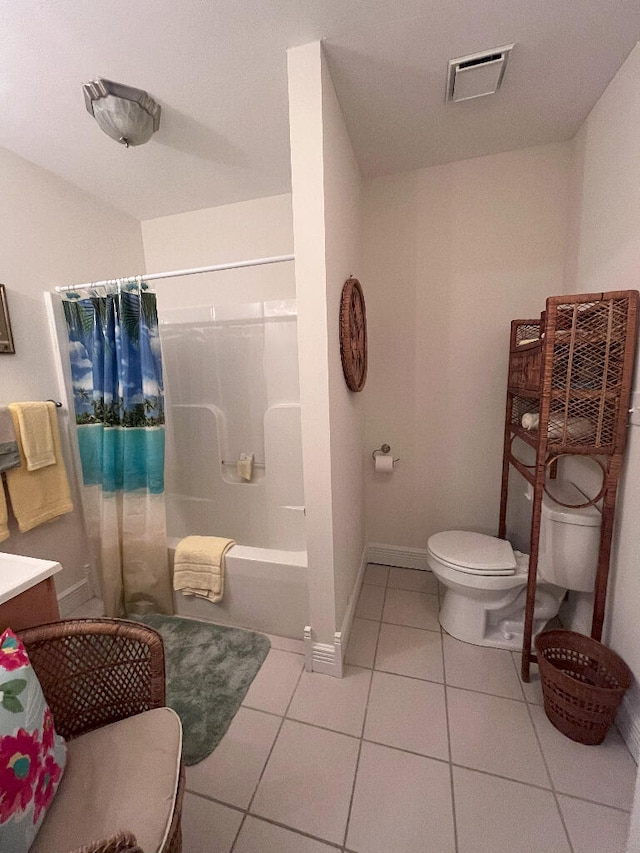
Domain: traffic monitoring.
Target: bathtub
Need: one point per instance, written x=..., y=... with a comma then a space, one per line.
x=265, y=589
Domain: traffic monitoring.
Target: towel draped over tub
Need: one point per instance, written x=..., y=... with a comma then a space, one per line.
x=198, y=567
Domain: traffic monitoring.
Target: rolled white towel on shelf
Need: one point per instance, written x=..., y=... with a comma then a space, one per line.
x=530, y=420
x=575, y=427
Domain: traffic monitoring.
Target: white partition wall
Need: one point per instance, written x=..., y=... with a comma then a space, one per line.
x=326, y=223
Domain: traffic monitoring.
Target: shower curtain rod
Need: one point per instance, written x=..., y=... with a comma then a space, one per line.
x=257, y=262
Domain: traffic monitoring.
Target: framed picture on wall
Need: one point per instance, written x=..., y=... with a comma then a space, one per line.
x=6, y=338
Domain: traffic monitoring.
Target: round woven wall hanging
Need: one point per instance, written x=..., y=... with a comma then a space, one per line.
x=353, y=335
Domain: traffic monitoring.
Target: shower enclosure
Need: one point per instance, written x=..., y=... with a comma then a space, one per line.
x=231, y=386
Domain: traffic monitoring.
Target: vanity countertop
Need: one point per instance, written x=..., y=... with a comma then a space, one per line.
x=18, y=574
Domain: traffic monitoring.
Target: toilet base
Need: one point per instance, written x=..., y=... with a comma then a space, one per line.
x=466, y=619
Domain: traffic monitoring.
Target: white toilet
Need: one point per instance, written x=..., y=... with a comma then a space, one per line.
x=486, y=579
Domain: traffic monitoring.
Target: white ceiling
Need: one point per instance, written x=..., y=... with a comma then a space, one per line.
x=218, y=68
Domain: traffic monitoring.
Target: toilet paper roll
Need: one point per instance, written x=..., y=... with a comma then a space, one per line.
x=384, y=462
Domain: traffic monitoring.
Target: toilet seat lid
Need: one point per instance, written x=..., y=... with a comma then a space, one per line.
x=473, y=551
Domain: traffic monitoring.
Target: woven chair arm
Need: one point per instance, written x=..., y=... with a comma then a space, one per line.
x=121, y=842
x=96, y=671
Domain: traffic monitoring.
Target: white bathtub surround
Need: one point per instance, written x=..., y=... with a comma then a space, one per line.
x=328, y=658
x=233, y=391
x=265, y=590
x=233, y=398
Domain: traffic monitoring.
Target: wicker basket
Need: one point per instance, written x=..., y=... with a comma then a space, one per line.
x=583, y=683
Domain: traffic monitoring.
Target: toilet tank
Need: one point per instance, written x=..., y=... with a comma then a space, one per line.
x=569, y=540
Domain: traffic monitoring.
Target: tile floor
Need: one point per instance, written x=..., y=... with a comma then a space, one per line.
x=427, y=745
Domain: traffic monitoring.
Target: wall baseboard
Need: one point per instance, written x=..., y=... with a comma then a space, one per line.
x=395, y=555
x=628, y=721
x=74, y=597
x=328, y=658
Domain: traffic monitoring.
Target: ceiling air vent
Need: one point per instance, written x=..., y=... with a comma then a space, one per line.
x=477, y=74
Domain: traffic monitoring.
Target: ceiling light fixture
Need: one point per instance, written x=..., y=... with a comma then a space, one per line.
x=477, y=74
x=128, y=115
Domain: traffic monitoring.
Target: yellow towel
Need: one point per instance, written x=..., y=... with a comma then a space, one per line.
x=4, y=520
x=198, y=567
x=34, y=425
x=39, y=496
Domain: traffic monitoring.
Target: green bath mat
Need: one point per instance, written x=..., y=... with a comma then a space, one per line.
x=209, y=670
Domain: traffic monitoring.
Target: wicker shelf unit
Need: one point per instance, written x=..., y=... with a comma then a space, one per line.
x=570, y=375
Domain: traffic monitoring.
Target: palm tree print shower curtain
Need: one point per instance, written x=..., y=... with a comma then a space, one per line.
x=116, y=370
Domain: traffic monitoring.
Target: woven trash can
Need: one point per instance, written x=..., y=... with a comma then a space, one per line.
x=583, y=683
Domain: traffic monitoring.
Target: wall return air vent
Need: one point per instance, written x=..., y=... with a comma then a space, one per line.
x=478, y=74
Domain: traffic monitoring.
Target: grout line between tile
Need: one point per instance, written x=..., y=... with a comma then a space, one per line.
x=355, y=776
x=343, y=847
x=486, y=693
x=453, y=764
x=214, y=800
x=322, y=728
x=375, y=652
x=239, y=830
x=415, y=627
x=553, y=787
x=300, y=832
x=594, y=802
x=520, y=681
x=366, y=619
x=264, y=767
x=261, y=710
x=246, y=813
x=446, y=709
x=500, y=776
x=364, y=723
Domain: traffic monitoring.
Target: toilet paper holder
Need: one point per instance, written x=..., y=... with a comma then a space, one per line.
x=384, y=449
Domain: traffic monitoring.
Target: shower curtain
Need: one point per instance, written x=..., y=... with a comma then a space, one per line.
x=116, y=370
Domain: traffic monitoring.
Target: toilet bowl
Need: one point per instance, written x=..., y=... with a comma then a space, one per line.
x=485, y=580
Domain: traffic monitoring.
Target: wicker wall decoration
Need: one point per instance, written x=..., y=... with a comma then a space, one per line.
x=353, y=335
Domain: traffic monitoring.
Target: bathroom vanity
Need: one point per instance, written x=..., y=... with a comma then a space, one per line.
x=27, y=592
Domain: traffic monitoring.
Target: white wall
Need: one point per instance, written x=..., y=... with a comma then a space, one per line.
x=343, y=215
x=52, y=234
x=217, y=235
x=451, y=255
x=326, y=217
x=604, y=254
